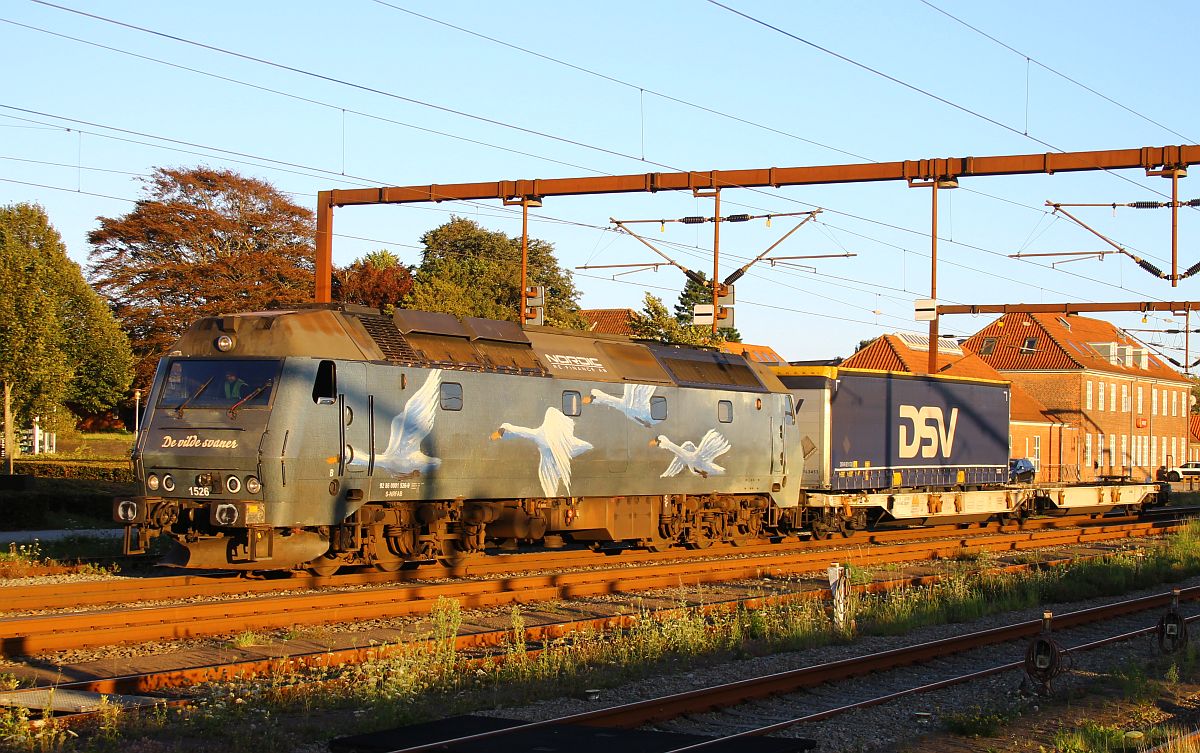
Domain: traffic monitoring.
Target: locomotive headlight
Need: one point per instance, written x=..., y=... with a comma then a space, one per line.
x=252, y=485
x=224, y=343
x=168, y=483
x=233, y=484
x=152, y=482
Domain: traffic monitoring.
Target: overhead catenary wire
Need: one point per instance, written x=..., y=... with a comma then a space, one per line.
x=862, y=218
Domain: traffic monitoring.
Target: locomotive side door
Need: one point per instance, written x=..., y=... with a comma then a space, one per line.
x=780, y=425
x=354, y=407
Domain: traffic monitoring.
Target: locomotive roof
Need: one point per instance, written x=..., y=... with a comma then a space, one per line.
x=437, y=340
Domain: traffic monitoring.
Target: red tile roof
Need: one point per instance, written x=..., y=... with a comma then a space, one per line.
x=609, y=321
x=1062, y=342
x=1194, y=427
x=891, y=353
x=760, y=353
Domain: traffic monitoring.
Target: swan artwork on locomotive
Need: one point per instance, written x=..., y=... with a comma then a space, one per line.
x=634, y=402
x=556, y=444
x=699, y=459
x=410, y=427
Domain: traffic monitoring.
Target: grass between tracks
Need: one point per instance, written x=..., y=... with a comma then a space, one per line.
x=301, y=710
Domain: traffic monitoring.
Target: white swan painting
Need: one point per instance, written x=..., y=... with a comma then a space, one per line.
x=556, y=443
x=698, y=459
x=634, y=402
x=409, y=429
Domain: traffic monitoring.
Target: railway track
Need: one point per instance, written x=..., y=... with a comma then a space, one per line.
x=31, y=635
x=79, y=595
x=715, y=710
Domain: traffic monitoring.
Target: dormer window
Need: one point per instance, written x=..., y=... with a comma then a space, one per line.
x=1029, y=346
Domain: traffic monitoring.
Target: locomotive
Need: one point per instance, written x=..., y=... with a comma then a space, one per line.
x=322, y=436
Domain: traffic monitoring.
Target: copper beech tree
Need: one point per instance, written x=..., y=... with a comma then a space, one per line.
x=202, y=242
x=378, y=280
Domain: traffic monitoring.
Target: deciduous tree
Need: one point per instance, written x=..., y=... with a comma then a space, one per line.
x=60, y=346
x=378, y=280
x=469, y=271
x=201, y=242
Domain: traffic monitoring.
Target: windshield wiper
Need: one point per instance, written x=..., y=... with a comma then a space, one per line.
x=258, y=391
x=184, y=404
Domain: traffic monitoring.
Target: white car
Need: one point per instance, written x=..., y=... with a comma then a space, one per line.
x=1187, y=469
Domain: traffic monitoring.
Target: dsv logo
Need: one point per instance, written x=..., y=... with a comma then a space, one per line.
x=929, y=431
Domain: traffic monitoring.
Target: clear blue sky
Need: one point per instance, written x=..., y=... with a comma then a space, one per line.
x=617, y=87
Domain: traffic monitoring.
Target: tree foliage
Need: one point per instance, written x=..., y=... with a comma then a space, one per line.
x=60, y=346
x=654, y=322
x=201, y=242
x=469, y=271
x=378, y=280
x=694, y=293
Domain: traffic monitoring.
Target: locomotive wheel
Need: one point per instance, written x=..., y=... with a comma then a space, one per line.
x=388, y=565
x=323, y=566
x=820, y=531
x=453, y=553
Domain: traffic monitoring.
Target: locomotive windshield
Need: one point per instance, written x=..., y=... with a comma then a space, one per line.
x=218, y=384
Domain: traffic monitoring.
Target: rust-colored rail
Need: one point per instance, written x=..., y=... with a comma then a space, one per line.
x=40, y=634
x=732, y=694
x=78, y=595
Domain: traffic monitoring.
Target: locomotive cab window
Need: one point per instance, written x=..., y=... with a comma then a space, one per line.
x=789, y=410
x=325, y=388
x=211, y=383
x=658, y=408
x=451, y=396
x=571, y=402
x=725, y=411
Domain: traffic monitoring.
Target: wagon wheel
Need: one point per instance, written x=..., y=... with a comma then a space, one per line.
x=820, y=531
x=658, y=543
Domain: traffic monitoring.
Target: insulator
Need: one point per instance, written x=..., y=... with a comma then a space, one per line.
x=738, y=218
x=693, y=220
x=1193, y=203
x=1190, y=271
x=1146, y=204
x=1149, y=267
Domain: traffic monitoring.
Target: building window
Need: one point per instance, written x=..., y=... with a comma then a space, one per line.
x=1124, y=450
x=1139, y=399
x=1037, y=452
x=1087, y=395
x=1153, y=451
x=1153, y=402
x=1174, y=402
x=1125, y=398
x=1029, y=346
x=1112, y=450
x=987, y=346
x=1100, y=402
x=1087, y=450
x=1112, y=398
x=1174, y=449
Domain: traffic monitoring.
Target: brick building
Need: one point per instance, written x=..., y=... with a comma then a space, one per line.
x=1033, y=432
x=1130, y=409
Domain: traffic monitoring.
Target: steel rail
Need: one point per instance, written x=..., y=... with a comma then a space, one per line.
x=44, y=633
x=728, y=695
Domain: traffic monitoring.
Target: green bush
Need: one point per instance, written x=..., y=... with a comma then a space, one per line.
x=92, y=470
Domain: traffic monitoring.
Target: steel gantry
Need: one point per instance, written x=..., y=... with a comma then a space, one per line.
x=939, y=173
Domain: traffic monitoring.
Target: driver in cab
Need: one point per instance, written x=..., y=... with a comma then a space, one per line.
x=234, y=386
